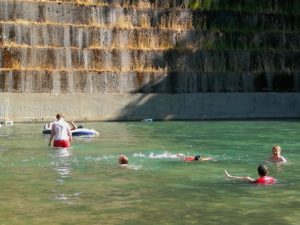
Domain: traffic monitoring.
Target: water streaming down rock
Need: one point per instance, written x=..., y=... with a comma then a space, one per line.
x=122, y=46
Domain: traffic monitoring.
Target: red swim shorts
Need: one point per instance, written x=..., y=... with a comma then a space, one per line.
x=61, y=143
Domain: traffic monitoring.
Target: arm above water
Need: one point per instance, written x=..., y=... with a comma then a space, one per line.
x=283, y=160
x=52, y=134
x=74, y=127
x=206, y=158
x=69, y=133
x=243, y=178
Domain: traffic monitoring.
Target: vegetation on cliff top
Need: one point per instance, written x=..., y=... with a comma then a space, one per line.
x=290, y=7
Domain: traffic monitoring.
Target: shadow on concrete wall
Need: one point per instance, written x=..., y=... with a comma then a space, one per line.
x=224, y=63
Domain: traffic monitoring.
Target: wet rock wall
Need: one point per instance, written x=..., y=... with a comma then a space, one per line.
x=91, y=47
x=148, y=46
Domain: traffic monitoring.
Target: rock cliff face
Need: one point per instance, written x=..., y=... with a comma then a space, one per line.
x=149, y=46
x=92, y=46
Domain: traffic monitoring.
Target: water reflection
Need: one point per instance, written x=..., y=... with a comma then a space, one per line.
x=61, y=153
x=62, y=165
x=85, y=184
x=65, y=198
x=280, y=167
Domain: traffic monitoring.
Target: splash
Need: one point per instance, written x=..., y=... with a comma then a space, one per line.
x=164, y=155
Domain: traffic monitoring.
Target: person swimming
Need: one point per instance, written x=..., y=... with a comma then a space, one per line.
x=276, y=156
x=193, y=158
x=263, y=179
x=123, y=160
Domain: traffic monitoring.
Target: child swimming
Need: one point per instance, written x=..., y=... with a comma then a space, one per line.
x=123, y=160
x=193, y=158
x=276, y=155
x=263, y=179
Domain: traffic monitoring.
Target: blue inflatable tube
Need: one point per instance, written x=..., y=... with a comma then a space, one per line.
x=77, y=132
x=84, y=131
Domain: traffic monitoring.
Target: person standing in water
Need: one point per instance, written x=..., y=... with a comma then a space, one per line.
x=263, y=179
x=276, y=155
x=61, y=133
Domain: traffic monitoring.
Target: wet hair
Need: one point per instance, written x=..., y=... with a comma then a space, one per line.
x=262, y=170
x=123, y=159
x=197, y=157
x=276, y=147
x=80, y=126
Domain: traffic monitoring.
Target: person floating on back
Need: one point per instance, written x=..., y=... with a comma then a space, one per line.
x=263, y=179
x=193, y=158
x=276, y=155
x=61, y=133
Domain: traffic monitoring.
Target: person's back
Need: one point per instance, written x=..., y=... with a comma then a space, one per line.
x=193, y=158
x=61, y=129
x=265, y=180
x=263, y=176
x=61, y=133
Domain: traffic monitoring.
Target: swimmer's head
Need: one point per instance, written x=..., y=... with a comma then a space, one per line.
x=123, y=159
x=262, y=170
x=197, y=157
x=59, y=116
x=276, y=150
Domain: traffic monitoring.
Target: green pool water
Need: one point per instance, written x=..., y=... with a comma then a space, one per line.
x=84, y=185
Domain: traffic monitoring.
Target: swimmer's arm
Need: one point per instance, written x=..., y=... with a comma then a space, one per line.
x=52, y=135
x=245, y=178
x=74, y=127
x=283, y=159
x=180, y=156
x=69, y=133
x=206, y=158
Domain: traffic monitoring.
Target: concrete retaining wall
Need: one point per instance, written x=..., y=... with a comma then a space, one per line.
x=31, y=107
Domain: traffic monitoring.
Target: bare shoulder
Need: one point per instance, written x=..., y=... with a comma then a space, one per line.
x=283, y=159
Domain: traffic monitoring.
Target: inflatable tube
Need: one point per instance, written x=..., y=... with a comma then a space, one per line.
x=84, y=131
x=46, y=131
x=77, y=132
